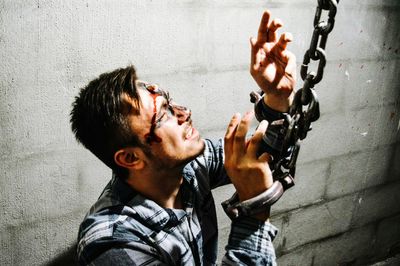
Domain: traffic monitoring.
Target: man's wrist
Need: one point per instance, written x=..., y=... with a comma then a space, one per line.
x=261, y=216
x=278, y=103
x=257, y=207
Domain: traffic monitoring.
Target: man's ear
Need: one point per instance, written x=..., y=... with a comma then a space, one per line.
x=130, y=157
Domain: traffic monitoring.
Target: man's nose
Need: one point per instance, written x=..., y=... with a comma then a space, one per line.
x=182, y=113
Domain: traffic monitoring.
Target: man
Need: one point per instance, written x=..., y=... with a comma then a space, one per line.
x=158, y=208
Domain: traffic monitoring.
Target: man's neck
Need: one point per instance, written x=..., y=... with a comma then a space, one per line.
x=163, y=187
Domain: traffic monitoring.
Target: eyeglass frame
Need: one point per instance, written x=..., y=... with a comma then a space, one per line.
x=156, y=91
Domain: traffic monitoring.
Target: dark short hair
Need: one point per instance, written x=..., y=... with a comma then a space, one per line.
x=100, y=115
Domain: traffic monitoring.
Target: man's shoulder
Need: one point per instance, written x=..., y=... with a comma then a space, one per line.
x=109, y=222
x=111, y=227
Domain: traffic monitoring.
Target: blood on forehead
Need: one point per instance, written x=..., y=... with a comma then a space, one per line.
x=151, y=136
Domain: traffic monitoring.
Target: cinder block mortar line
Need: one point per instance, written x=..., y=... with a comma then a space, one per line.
x=279, y=214
x=285, y=251
x=375, y=224
x=318, y=202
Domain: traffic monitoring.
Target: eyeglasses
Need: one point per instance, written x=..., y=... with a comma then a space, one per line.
x=182, y=113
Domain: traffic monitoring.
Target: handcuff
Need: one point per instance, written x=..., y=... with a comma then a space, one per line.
x=272, y=143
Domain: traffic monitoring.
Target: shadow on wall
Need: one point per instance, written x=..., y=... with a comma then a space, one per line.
x=68, y=257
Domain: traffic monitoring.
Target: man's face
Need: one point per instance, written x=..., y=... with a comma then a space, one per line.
x=166, y=127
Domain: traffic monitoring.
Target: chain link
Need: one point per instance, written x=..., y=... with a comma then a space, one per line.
x=305, y=107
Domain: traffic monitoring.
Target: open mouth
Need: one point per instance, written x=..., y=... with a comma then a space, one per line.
x=189, y=133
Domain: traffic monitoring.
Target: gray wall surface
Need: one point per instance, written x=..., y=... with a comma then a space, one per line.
x=345, y=205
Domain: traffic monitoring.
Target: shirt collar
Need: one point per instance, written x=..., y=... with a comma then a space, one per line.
x=119, y=193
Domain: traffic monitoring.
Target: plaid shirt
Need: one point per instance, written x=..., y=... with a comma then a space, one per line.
x=125, y=228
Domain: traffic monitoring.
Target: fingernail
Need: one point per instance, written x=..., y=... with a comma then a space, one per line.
x=264, y=123
x=235, y=116
x=278, y=22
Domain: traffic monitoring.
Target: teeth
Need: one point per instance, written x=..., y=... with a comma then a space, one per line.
x=190, y=132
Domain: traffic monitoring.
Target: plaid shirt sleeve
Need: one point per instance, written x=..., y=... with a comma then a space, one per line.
x=125, y=256
x=250, y=243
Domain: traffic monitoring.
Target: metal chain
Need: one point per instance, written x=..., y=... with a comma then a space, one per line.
x=295, y=124
x=305, y=107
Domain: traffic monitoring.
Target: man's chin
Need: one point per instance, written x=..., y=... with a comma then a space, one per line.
x=197, y=153
x=202, y=146
x=181, y=161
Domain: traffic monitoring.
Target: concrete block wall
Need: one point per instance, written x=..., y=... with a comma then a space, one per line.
x=344, y=207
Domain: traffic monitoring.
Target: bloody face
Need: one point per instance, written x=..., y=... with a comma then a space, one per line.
x=166, y=127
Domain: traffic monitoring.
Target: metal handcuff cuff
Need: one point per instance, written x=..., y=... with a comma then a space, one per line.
x=273, y=143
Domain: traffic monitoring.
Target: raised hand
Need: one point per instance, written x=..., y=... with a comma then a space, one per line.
x=272, y=66
x=249, y=173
